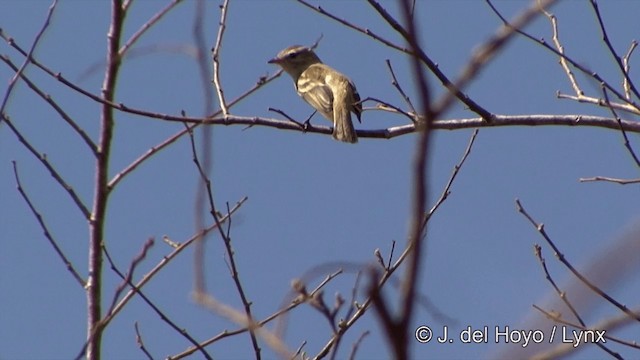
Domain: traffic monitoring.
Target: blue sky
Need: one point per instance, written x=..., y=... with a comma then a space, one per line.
x=312, y=201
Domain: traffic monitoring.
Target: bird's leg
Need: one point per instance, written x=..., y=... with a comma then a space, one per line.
x=305, y=124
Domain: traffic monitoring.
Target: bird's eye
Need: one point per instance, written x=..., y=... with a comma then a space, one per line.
x=292, y=55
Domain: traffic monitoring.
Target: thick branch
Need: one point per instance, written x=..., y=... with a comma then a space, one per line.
x=101, y=190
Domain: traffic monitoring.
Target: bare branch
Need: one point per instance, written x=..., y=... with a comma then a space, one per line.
x=170, y=140
x=397, y=329
x=126, y=281
x=567, y=264
x=383, y=105
x=483, y=55
x=28, y=57
x=626, y=83
x=140, y=342
x=627, y=144
x=612, y=51
x=455, y=89
x=146, y=26
x=563, y=60
x=216, y=58
x=356, y=345
x=45, y=229
x=200, y=292
x=298, y=353
x=166, y=260
x=567, y=348
x=609, y=179
x=565, y=299
x=226, y=333
x=101, y=189
x=631, y=106
x=54, y=173
x=448, y=124
x=278, y=111
x=226, y=311
x=456, y=169
x=396, y=84
x=46, y=97
x=364, y=31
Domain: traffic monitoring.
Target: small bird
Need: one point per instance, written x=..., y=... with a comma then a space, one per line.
x=327, y=90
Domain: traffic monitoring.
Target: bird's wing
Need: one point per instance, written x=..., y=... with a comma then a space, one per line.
x=335, y=80
x=314, y=90
x=357, y=106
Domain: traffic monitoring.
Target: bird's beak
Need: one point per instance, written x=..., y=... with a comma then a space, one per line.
x=275, y=60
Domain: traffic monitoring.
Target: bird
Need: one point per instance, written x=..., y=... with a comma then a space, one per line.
x=327, y=90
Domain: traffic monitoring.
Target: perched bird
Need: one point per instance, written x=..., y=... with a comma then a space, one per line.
x=327, y=90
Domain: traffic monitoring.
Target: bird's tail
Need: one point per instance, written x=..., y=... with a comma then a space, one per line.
x=342, y=126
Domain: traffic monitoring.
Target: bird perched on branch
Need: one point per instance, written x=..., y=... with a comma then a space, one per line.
x=330, y=92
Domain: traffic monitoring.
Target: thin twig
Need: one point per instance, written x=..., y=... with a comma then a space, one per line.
x=456, y=169
x=227, y=333
x=567, y=264
x=484, y=54
x=391, y=268
x=565, y=299
x=365, y=305
x=612, y=51
x=383, y=105
x=299, y=351
x=46, y=97
x=127, y=282
x=433, y=67
x=356, y=345
x=626, y=83
x=609, y=179
x=299, y=294
x=561, y=294
x=145, y=113
x=563, y=60
x=45, y=229
x=396, y=84
x=146, y=26
x=393, y=247
x=362, y=309
x=199, y=253
x=610, y=325
x=364, y=31
x=216, y=58
x=166, y=260
x=28, y=57
x=278, y=111
x=627, y=144
x=140, y=342
x=630, y=107
x=173, y=138
x=455, y=88
x=52, y=170
x=240, y=318
x=354, y=297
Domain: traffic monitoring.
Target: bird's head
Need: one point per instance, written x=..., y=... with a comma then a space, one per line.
x=295, y=59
